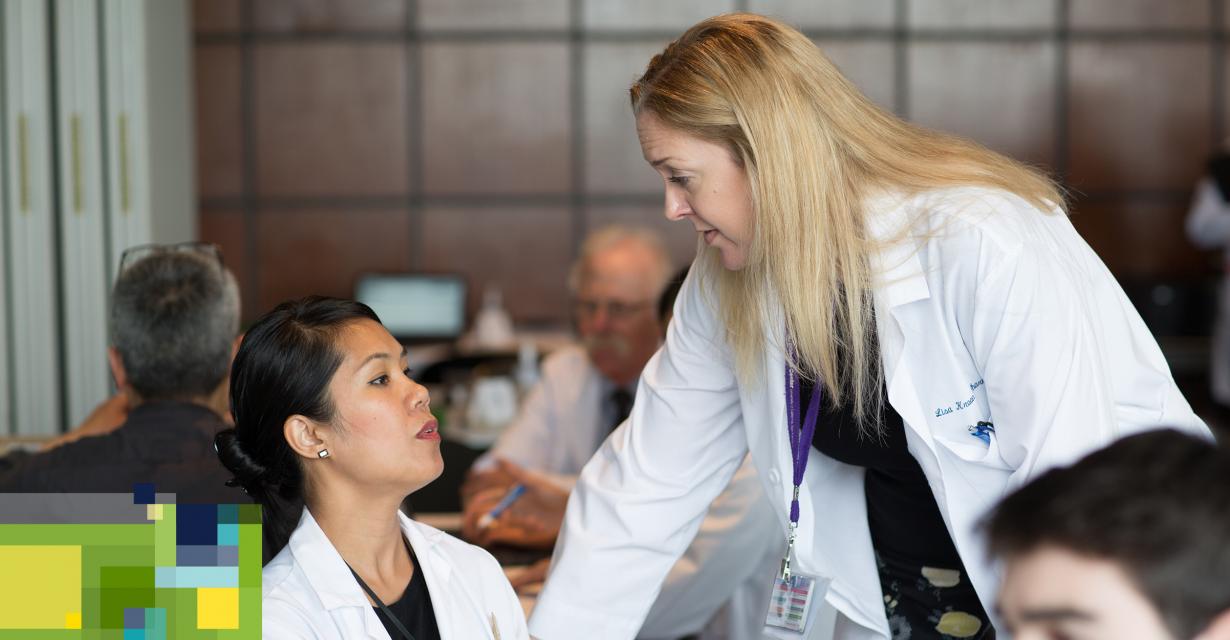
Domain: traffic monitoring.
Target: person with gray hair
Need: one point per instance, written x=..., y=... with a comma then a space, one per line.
x=174, y=321
x=586, y=390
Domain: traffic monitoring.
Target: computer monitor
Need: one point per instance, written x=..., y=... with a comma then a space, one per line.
x=416, y=307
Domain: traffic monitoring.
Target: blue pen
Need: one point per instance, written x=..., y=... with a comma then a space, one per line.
x=489, y=518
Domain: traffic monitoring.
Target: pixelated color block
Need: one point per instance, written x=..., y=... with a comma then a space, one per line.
x=156, y=624
x=196, y=577
x=134, y=634
x=249, y=514
x=250, y=555
x=228, y=556
x=228, y=514
x=40, y=586
x=196, y=555
x=97, y=559
x=113, y=602
x=217, y=608
x=228, y=534
x=143, y=493
x=196, y=524
x=153, y=512
x=72, y=620
x=164, y=537
x=74, y=535
x=126, y=578
x=134, y=618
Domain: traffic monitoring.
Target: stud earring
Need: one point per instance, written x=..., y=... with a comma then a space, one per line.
x=323, y=453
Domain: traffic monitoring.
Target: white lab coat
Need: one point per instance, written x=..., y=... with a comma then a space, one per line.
x=310, y=593
x=990, y=311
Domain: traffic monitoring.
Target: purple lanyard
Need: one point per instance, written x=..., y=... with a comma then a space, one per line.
x=801, y=432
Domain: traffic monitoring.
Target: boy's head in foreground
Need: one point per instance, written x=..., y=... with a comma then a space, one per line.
x=1132, y=541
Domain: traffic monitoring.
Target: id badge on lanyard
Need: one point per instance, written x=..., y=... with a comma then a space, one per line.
x=793, y=592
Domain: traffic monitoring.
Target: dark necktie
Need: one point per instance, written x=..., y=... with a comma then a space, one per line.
x=621, y=406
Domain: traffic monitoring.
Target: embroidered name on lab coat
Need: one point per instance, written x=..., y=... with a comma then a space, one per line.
x=959, y=405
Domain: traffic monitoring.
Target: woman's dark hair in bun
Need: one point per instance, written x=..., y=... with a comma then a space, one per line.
x=283, y=368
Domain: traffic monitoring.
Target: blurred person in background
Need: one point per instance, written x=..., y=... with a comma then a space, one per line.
x=623, y=295
x=330, y=436
x=1129, y=542
x=174, y=321
x=1208, y=227
x=586, y=391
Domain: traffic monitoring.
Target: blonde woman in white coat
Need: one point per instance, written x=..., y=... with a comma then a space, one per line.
x=927, y=297
x=331, y=435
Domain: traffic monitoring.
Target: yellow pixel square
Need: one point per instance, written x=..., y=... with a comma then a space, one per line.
x=72, y=620
x=217, y=608
x=39, y=584
x=153, y=512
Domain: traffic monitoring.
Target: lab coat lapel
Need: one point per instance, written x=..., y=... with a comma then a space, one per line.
x=900, y=281
x=457, y=609
x=330, y=578
x=902, y=343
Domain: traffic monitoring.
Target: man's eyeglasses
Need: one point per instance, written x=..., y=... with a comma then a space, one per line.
x=615, y=309
x=133, y=255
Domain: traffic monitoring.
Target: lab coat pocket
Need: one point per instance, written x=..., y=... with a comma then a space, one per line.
x=975, y=443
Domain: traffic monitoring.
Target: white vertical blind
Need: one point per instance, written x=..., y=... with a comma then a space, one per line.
x=83, y=243
x=6, y=407
x=116, y=173
x=29, y=209
x=127, y=140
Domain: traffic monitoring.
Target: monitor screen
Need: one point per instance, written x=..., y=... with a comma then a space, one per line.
x=415, y=306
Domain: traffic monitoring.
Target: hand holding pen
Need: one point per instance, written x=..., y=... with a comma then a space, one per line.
x=527, y=517
x=510, y=497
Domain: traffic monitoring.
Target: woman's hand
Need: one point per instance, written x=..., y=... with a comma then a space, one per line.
x=479, y=482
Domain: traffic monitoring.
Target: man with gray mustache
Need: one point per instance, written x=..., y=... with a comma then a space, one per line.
x=586, y=390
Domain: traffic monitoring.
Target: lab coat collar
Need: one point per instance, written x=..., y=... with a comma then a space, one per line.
x=896, y=265
x=328, y=574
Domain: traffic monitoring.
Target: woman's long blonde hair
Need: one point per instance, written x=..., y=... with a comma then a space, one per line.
x=813, y=147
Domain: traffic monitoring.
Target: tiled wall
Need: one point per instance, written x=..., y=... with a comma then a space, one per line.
x=486, y=136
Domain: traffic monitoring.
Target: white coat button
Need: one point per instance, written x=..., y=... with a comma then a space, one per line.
x=774, y=476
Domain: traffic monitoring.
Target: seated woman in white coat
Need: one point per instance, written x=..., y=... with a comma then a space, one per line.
x=330, y=436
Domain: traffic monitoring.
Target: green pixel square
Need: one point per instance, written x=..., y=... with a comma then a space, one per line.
x=164, y=538
x=126, y=577
x=250, y=555
x=114, y=601
x=95, y=558
x=181, y=617
x=249, y=514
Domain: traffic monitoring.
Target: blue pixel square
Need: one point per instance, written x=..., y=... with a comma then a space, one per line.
x=134, y=618
x=228, y=514
x=143, y=493
x=134, y=634
x=199, y=555
x=196, y=524
x=228, y=534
